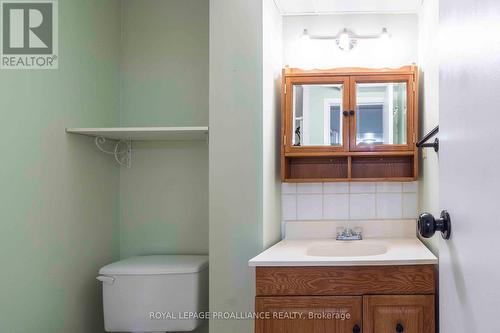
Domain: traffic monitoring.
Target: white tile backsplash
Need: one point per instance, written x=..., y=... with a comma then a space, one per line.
x=309, y=206
x=362, y=187
x=389, y=205
x=354, y=201
x=362, y=206
x=288, y=188
x=289, y=207
x=391, y=187
x=310, y=188
x=410, y=187
x=410, y=205
x=335, y=206
x=336, y=188
x=371, y=228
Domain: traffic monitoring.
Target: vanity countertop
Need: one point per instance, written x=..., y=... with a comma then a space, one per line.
x=330, y=252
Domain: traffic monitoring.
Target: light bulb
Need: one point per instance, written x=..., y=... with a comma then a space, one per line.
x=385, y=35
x=345, y=41
x=305, y=35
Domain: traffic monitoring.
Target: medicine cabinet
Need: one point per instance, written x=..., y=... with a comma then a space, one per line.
x=349, y=124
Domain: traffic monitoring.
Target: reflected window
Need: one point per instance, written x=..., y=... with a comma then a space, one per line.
x=381, y=113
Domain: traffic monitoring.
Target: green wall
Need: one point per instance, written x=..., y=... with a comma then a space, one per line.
x=272, y=65
x=59, y=198
x=68, y=209
x=164, y=63
x=164, y=196
x=164, y=199
x=164, y=68
x=236, y=157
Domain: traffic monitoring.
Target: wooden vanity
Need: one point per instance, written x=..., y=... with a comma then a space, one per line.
x=338, y=299
x=347, y=125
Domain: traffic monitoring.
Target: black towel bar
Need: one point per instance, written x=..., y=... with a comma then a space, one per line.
x=423, y=142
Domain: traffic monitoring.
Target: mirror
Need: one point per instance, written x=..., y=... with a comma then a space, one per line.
x=381, y=113
x=317, y=115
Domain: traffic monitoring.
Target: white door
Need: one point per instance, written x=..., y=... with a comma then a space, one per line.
x=469, y=165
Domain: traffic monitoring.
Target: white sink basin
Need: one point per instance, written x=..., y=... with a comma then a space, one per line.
x=347, y=249
x=329, y=252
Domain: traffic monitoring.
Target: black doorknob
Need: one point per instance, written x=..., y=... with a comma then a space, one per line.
x=356, y=329
x=399, y=328
x=428, y=225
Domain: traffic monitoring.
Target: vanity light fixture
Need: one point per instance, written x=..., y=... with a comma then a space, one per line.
x=346, y=40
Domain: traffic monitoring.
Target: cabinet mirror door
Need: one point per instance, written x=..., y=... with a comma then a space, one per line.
x=383, y=118
x=318, y=114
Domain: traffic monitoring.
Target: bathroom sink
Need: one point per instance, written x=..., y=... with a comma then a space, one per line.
x=346, y=249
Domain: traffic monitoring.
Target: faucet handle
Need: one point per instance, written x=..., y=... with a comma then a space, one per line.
x=348, y=232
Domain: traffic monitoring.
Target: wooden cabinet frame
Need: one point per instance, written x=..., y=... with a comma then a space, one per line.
x=290, y=82
x=349, y=162
x=411, y=116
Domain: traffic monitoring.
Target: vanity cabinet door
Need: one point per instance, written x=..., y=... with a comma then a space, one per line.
x=383, y=117
x=310, y=314
x=396, y=314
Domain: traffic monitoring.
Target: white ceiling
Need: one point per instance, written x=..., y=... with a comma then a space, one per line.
x=298, y=7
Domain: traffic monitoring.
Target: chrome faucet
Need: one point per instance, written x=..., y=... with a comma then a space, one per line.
x=349, y=234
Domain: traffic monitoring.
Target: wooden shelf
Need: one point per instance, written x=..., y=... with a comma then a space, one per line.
x=198, y=133
x=354, y=180
x=123, y=136
x=382, y=167
x=309, y=168
x=348, y=153
x=355, y=167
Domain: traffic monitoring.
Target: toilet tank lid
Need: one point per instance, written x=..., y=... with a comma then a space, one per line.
x=157, y=265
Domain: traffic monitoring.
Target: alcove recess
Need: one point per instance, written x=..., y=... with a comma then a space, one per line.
x=391, y=155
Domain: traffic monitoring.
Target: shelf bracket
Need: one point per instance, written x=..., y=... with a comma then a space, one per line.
x=122, y=150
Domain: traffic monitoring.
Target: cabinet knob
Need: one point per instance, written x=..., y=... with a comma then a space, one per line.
x=345, y=113
x=399, y=328
x=356, y=329
x=351, y=112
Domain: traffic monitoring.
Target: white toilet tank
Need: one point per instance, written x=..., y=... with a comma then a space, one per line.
x=157, y=293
